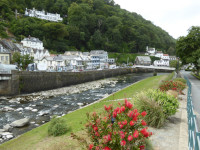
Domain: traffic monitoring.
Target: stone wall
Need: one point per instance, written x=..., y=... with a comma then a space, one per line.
x=28, y=82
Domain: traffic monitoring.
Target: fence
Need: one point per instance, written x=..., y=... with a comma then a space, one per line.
x=194, y=135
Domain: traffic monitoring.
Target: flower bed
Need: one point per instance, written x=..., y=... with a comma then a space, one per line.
x=119, y=128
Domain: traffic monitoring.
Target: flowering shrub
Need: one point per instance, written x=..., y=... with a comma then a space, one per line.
x=172, y=85
x=120, y=128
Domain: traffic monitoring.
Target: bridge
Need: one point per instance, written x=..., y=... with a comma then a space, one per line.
x=154, y=67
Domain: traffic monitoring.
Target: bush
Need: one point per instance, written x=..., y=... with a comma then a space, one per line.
x=180, y=79
x=121, y=128
x=155, y=115
x=57, y=127
x=172, y=85
x=158, y=105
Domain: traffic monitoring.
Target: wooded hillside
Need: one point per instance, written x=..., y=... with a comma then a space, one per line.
x=87, y=25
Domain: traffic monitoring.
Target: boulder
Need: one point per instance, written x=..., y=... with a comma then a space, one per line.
x=19, y=109
x=7, y=127
x=20, y=123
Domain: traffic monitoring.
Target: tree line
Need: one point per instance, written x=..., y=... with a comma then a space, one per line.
x=86, y=25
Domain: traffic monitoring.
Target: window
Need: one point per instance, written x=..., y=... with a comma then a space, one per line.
x=6, y=58
x=2, y=58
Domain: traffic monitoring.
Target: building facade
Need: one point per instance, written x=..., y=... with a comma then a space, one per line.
x=5, y=55
x=43, y=15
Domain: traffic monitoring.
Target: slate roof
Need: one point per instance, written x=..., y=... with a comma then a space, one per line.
x=32, y=39
x=144, y=58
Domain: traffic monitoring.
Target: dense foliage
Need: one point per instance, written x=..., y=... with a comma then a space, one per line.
x=21, y=61
x=120, y=128
x=87, y=25
x=158, y=105
x=57, y=126
x=188, y=47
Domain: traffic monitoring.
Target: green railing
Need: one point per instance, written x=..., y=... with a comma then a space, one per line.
x=194, y=135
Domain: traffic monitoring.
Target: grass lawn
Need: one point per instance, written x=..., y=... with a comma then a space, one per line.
x=38, y=139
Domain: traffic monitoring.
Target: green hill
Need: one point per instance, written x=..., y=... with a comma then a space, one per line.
x=87, y=25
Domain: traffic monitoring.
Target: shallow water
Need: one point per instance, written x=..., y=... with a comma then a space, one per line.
x=61, y=105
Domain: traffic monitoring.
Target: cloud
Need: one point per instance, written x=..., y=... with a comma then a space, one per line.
x=174, y=16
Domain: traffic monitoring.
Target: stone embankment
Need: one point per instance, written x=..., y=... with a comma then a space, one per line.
x=56, y=92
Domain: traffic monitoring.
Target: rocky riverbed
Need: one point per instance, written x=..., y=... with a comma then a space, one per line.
x=22, y=113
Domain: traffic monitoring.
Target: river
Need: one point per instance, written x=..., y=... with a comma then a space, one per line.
x=41, y=111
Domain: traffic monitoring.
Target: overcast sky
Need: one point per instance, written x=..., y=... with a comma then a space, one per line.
x=174, y=16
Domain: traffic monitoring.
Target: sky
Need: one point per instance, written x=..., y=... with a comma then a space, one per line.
x=173, y=16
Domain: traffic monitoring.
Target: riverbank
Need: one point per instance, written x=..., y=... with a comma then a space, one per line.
x=38, y=138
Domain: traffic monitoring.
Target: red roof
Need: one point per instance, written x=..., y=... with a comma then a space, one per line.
x=165, y=55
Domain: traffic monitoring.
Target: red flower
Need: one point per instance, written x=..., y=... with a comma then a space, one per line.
x=107, y=138
x=144, y=113
x=144, y=132
x=131, y=123
x=107, y=108
x=107, y=148
x=144, y=123
x=91, y=146
x=128, y=104
x=95, y=128
x=122, y=109
x=124, y=122
x=135, y=134
x=121, y=126
x=130, y=138
x=96, y=133
x=142, y=147
x=122, y=135
x=123, y=143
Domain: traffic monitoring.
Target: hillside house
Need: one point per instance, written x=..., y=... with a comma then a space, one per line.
x=143, y=60
x=43, y=15
x=5, y=55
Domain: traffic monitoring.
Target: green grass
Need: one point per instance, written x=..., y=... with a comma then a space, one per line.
x=38, y=138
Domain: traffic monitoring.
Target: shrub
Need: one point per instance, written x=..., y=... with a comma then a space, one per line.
x=121, y=128
x=158, y=105
x=155, y=115
x=180, y=79
x=57, y=126
x=172, y=85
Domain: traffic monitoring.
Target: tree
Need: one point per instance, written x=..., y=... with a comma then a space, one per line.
x=188, y=47
x=22, y=61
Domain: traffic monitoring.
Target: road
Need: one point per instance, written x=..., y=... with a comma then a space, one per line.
x=195, y=94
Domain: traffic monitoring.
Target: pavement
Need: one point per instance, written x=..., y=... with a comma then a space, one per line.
x=174, y=134
x=195, y=94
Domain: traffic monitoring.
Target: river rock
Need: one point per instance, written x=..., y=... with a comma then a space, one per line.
x=7, y=108
x=7, y=127
x=19, y=109
x=20, y=123
x=34, y=110
x=28, y=108
x=1, y=130
x=80, y=104
x=42, y=113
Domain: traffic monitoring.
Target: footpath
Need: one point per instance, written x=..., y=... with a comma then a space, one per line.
x=174, y=135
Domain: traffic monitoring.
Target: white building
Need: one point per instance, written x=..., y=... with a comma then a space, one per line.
x=32, y=42
x=33, y=47
x=164, y=61
x=150, y=51
x=159, y=54
x=99, y=59
x=43, y=15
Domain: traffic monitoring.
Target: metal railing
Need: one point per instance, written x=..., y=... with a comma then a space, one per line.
x=194, y=135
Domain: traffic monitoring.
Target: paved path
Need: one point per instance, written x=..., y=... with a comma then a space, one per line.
x=195, y=94
x=174, y=134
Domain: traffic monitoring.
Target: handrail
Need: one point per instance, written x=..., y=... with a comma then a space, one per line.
x=194, y=134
